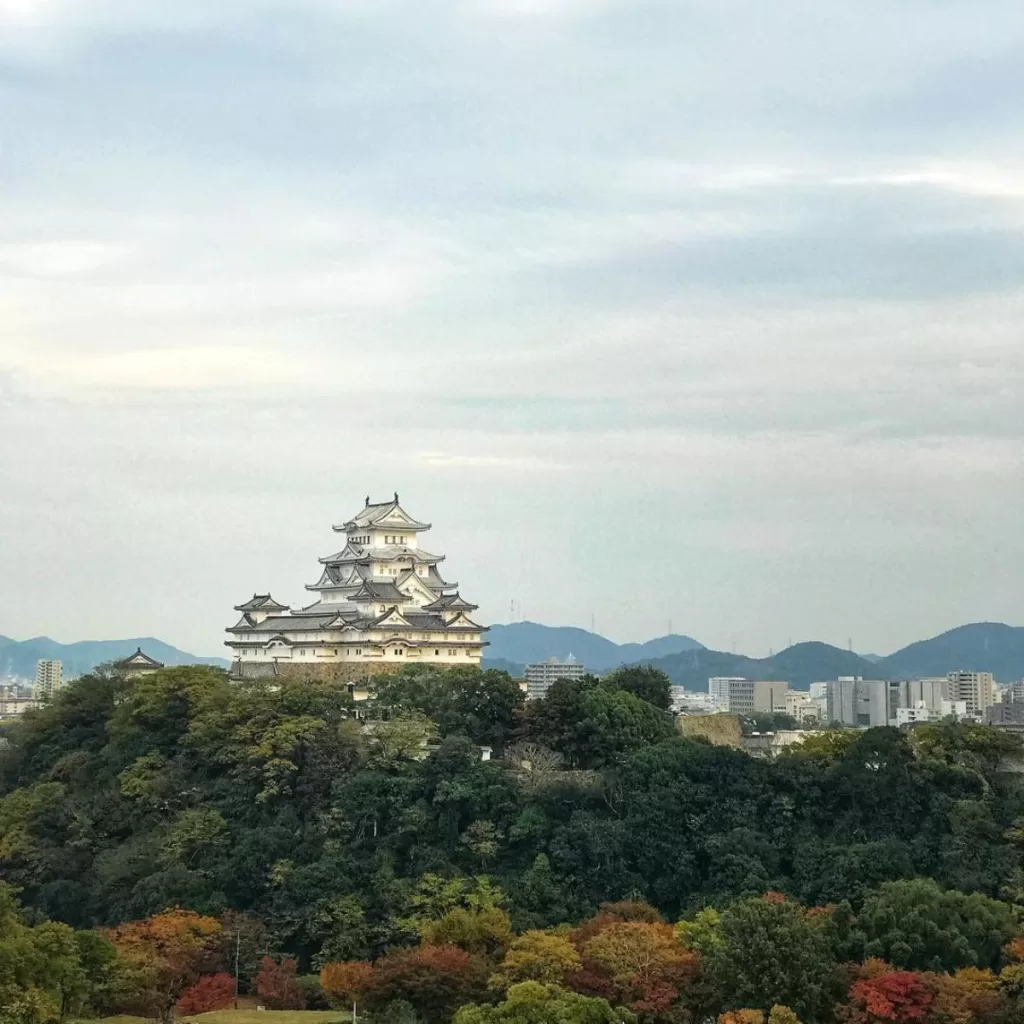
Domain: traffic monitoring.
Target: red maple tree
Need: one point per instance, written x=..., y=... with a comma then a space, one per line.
x=211, y=992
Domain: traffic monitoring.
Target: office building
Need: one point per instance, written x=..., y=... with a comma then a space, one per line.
x=928, y=693
x=864, y=703
x=920, y=712
x=718, y=687
x=748, y=696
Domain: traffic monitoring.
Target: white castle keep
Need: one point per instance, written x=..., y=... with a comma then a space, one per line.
x=380, y=599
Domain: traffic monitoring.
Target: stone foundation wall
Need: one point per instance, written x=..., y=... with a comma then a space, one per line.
x=330, y=672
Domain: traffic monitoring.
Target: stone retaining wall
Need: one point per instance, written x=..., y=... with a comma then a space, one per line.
x=334, y=672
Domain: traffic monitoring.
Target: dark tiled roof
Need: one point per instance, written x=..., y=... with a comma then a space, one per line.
x=371, y=591
x=378, y=515
x=261, y=602
x=141, y=660
x=452, y=603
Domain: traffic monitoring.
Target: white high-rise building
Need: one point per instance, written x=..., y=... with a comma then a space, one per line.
x=379, y=600
x=49, y=678
x=541, y=675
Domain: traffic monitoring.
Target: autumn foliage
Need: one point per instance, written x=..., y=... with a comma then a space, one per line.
x=741, y=1017
x=636, y=964
x=902, y=997
x=346, y=982
x=164, y=955
x=435, y=980
x=211, y=992
x=277, y=985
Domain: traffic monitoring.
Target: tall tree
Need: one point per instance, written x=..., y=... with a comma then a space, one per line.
x=163, y=955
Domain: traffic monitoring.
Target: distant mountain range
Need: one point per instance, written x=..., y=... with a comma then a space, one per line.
x=980, y=647
x=19, y=657
x=523, y=643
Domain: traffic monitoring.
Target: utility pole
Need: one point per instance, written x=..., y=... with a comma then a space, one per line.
x=238, y=946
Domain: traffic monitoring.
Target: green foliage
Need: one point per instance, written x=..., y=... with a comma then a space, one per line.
x=771, y=951
x=530, y=1002
x=919, y=926
x=767, y=721
x=643, y=681
x=48, y=971
x=331, y=838
x=593, y=723
x=462, y=701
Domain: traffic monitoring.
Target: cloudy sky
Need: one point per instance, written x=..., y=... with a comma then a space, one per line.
x=701, y=311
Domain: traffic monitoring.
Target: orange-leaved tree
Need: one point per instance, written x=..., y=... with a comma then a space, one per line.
x=637, y=964
x=614, y=913
x=741, y=1017
x=346, y=982
x=162, y=956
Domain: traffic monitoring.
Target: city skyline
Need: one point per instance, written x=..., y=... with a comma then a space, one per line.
x=697, y=311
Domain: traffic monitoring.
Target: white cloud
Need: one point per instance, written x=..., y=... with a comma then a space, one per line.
x=747, y=273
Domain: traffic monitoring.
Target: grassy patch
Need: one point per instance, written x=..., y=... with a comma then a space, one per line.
x=245, y=1017
x=273, y=1017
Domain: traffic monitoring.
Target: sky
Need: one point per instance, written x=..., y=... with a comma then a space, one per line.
x=689, y=314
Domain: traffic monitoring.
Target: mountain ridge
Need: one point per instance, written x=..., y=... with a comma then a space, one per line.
x=523, y=643
x=19, y=657
x=980, y=647
x=976, y=647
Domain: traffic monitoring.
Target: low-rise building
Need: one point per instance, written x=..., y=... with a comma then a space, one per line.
x=922, y=713
x=800, y=706
x=11, y=707
x=693, y=702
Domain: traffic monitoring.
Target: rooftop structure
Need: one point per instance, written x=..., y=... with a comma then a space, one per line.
x=380, y=599
x=140, y=664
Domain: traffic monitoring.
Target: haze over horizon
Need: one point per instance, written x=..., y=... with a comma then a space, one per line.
x=704, y=311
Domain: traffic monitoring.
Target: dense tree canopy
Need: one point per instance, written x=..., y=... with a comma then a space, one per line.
x=311, y=830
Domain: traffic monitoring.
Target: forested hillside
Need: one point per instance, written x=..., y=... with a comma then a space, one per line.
x=329, y=839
